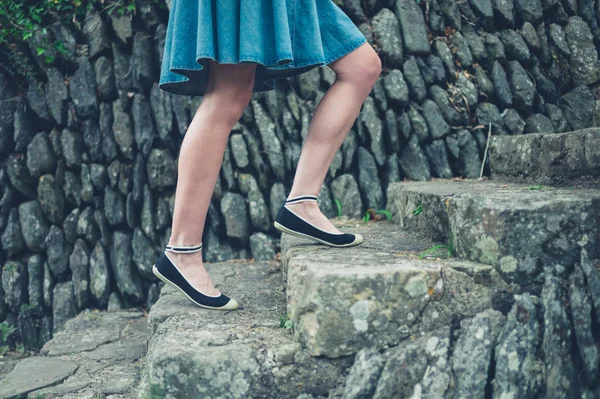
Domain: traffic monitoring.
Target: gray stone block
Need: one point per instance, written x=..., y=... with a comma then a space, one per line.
x=248, y=348
x=519, y=231
x=566, y=159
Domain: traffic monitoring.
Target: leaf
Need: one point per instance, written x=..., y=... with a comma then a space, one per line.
x=385, y=212
x=367, y=216
x=59, y=45
x=40, y=50
x=417, y=211
x=338, y=205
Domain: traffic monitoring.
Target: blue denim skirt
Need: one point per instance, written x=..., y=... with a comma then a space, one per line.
x=285, y=38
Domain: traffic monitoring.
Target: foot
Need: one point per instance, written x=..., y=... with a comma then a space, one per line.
x=309, y=211
x=193, y=270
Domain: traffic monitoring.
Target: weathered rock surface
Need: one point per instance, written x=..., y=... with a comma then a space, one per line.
x=364, y=374
x=384, y=292
x=247, y=347
x=378, y=297
x=559, y=368
x=473, y=353
x=95, y=355
x=95, y=145
x=33, y=373
x=465, y=332
x=552, y=159
x=518, y=366
x=487, y=223
x=428, y=374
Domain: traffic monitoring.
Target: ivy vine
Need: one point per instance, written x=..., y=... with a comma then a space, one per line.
x=21, y=21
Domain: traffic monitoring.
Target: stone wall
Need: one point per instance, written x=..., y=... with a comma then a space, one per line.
x=89, y=155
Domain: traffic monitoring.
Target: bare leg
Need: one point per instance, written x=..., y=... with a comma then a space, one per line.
x=228, y=92
x=356, y=74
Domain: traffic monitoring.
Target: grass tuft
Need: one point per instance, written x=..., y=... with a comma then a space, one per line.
x=435, y=248
x=285, y=322
x=372, y=214
x=338, y=206
x=449, y=247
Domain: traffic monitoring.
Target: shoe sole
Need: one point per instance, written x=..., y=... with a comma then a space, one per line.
x=166, y=281
x=280, y=227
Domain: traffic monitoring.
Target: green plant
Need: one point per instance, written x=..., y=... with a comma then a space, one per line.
x=59, y=45
x=285, y=322
x=5, y=331
x=370, y=213
x=418, y=209
x=536, y=187
x=10, y=267
x=448, y=247
x=27, y=306
x=388, y=214
x=19, y=20
x=31, y=21
x=121, y=7
x=338, y=206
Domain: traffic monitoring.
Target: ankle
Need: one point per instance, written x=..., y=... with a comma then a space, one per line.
x=183, y=242
x=184, y=261
x=306, y=205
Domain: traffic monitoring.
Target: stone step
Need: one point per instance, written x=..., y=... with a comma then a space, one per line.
x=376, y=320
x=566, y=159
x=517, y=230
x=95, y=355
x=374, y=295
x=197, y=353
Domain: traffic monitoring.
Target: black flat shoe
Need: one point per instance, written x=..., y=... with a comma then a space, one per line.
x=168, y=272
x=290, y=222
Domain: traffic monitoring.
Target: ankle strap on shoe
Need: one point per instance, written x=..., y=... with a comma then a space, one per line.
x=184, y=249
x=301, y=198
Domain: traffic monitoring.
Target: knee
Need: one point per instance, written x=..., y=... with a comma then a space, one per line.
x=239, y=95
x=363, y=69
x=370, y=68
x=232, y=99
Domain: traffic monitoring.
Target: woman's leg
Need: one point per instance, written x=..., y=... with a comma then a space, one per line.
x=356, y=74
x=228, y=92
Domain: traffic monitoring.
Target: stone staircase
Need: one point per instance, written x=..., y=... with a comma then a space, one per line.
x=514, y=314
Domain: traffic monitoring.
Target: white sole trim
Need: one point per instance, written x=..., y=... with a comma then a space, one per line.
x=357, y=240
x=231, y=305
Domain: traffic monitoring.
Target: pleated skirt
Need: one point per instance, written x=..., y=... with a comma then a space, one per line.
x=285, y=38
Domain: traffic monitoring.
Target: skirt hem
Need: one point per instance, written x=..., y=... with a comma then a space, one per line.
x=266, y=74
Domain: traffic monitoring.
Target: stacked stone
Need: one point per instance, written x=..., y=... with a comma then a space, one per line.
x=519, y=66
x=88, y=176
x=89, y=158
